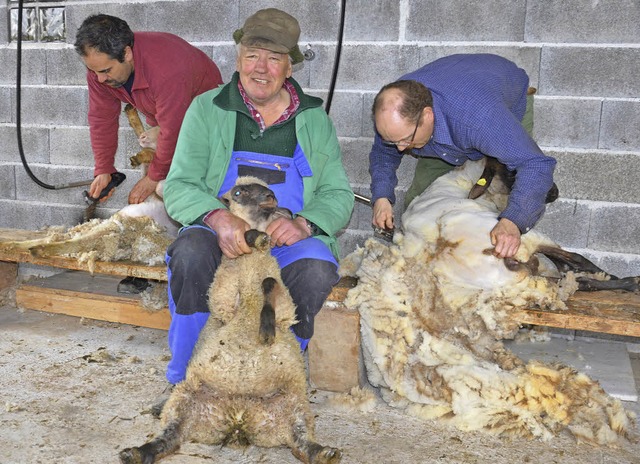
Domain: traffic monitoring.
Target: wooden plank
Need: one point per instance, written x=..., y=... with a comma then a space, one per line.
x=606, y=311
x=8, y=274
x=15, y=235
x=95, y=299
x=612, y=312
x=118, y=268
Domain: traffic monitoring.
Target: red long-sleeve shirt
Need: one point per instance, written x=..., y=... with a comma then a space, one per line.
x=169, y=73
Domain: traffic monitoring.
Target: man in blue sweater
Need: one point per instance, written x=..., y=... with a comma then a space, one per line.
x=459, y=108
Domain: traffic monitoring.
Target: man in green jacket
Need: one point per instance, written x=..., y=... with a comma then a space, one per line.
x=260, y=124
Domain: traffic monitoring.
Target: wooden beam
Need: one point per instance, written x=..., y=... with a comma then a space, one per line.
x=80, y=295
x=92, y=307
x=607, y=311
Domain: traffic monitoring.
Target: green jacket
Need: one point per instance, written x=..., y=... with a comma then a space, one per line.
x=203, y=154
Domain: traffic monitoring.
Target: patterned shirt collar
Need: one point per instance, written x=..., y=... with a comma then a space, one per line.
x=286, y=114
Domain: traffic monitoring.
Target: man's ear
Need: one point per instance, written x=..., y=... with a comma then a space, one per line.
x=128, y=54
x=290, y=69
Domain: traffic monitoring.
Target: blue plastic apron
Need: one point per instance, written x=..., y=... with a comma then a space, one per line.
x=284, y=176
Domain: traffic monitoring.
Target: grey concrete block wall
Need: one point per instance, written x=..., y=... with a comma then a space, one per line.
x=458, y=20
x=8, y=184
x=590, y=71
x=34, y=66
x=613, y=21
x=616, y=136
x=35, y=143
x=573, y=122
x=54, y=105
x=6, y=108
x=581, y=56
x=598, y=175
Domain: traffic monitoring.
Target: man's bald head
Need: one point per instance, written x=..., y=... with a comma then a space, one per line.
x=406, y=98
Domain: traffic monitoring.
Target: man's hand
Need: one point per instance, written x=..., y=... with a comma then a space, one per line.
x=285, y=231
x=230, y=230
x=382, y=214
x=143, y=188
x=505, y=237
x=98, y=185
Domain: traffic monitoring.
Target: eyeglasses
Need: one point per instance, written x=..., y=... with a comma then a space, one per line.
x=404, y=141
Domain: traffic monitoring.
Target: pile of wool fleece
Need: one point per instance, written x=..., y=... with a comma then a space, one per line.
x=434, y=308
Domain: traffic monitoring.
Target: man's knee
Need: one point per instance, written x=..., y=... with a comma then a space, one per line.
x=195, y=248
x=310, y=275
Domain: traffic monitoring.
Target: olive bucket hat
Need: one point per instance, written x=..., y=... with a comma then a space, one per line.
x=271, y=29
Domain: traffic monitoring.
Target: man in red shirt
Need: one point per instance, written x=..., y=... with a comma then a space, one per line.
x=158, y=73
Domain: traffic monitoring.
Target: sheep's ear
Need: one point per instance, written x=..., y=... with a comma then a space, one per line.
x=283, y=212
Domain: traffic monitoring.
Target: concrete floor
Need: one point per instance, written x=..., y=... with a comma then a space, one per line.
x=77, y=391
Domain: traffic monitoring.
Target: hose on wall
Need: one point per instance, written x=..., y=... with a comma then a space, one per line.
x=19, y=116
x=336, y=62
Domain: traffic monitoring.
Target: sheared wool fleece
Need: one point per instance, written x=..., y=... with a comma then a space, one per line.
x=434, y=309
x=138, y=233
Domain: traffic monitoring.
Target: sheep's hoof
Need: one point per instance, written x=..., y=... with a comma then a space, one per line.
x=327, y=455
x=157, y=407
x=134, y=456
x=318, y=454
x=263, y=243
x=257, y=239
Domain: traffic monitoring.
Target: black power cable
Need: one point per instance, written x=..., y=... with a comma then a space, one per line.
x=336, y=63
x=19, y=119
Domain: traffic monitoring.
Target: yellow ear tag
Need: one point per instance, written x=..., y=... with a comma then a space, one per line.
x=482, y=182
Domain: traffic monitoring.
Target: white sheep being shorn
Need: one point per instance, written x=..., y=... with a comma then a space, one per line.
x=246, y=381
x=434, y=308
x=139, y=233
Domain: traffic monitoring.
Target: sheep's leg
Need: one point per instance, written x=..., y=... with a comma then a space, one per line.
x=629, y=284
x=310, y=452
x=567, y=261
x=267, y=331
x=257, y=239
x=157, y=448
x=481, y=186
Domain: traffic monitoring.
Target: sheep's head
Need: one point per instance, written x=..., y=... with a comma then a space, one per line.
x=497, y=181
x=252, y=200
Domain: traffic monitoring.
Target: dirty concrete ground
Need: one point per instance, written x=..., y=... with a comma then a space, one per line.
x=76, y=391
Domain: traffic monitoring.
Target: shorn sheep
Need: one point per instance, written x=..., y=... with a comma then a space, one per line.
x=434, y=308
x=139, y=233
x=246, y=381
